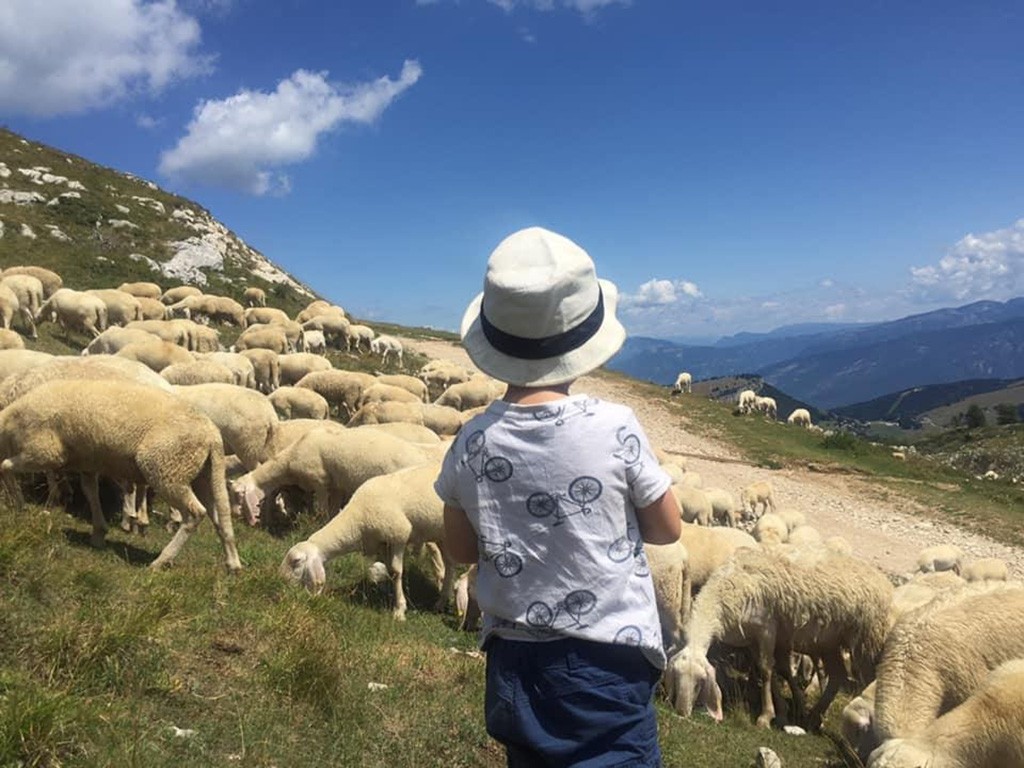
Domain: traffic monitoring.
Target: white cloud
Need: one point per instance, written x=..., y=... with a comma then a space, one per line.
x=147, y=121
x=835, y=311
x=585, y=7
x=70, y=56
x=240, y=141
x=986, y=266
x=657, y=292
x=826, y=283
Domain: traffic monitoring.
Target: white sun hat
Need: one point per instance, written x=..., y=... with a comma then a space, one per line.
x=544, y=317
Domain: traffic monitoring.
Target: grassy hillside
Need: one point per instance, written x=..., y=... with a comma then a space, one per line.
x=935, y=404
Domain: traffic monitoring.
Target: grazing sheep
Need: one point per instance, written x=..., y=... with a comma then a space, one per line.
x=240, y=366
x=50, y=280
x=674, y=471
x=360, y=334
x=142, y=290
x=771, y=529
x=693, y=504
x=333, y=325
x=266, y=369
x=838, y=544
x=29, y=292
x=265, y=315
x=124, y=431
x=413, y=433
x=172, y=331
x=669, y=567
x=857, y=720
x=724, y=509
x=198, y=372
x=122, y=308
x=176, y=294
x=986, y=569
x=14, y=361
x=245, y=418
x=254, y=297
x=316, y=308
x=684, y=383
x=74, y=311
x=710, y=548
x=438, y=375
x=471, y=394
x=800, y=417
x=10, y=340
x=297, y=364
x=386, y=345
x=9, y=306
x=692, y=479
x=941, y=557
x=314, y=341
x=342, y=389
x=151, y=309
x=270, y=337
x=746, y=400
x=804, y=536
x=216, y=309
x=155, y=354
x=985, y=731
x=937, y=656
x=899, y=455
x=442, y=419
x=390, y=512
x=329, y=463
x=298, y=403
x=775, y=605
x=406, y=382
x=385, y=393
x=792, y=518
x=760, y=492
x=766, y=406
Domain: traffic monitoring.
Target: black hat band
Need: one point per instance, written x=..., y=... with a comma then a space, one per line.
x=559, y=344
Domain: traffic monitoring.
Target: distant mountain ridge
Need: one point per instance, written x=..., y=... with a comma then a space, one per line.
x=847, y=365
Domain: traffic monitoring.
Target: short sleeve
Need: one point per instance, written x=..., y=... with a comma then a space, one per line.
x=446, y=485
x=648, y=482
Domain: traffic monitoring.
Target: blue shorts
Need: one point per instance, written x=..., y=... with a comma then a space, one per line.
x=572, y=702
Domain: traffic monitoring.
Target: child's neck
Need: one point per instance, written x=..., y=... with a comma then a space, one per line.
x=534, y=395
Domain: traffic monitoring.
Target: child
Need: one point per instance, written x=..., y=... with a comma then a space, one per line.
x=553, y=495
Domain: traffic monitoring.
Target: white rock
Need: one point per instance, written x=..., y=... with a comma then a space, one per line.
x=56, y=234
x=377, y=572
x=377, y=686
x=122, y=208
x=794, y=730
x=76, y=185
x=122, y=224
x=156, y=205
x=20, y=198
x=4, y=171
x=766, y=758
x=182, y=733
x=1, y=228
x=26, y=231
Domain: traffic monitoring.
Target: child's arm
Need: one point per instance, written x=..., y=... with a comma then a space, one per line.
x=460, y=536
x=660, y=522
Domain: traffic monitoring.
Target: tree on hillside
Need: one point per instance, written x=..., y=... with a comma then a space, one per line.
x=975, y=417
x=1006, y=413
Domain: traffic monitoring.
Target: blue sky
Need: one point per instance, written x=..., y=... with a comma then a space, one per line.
x=731, y=166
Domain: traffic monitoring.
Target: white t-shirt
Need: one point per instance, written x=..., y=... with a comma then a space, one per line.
x=552, y=491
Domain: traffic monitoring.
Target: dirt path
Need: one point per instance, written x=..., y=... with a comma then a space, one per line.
x=879, y=525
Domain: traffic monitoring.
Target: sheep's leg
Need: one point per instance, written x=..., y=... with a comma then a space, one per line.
x=30, y=321
x=188, y=525
x=212, y=487
x=784, y=667
x=91, y=488
x=764, y=655
x=142, y=507
x=836, y=671
x=129, y=514
x=448, y=581
x=397, y=567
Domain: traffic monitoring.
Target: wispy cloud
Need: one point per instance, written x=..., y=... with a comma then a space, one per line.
x=71, y=56
x=147, y=121
x=240, y=142
x=986, y=266
x=584, y=7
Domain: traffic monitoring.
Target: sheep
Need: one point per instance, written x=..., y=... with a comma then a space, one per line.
x=297, y=364
x=941, y=557
x=29, y=292
x=413, y=433
x=774, y=606
x=142, y=290
x=342, y=389
x=329, y=463
x=9, y=306
x=125, y=431
x=333, y=325
x=471, y=394
x=442, y=419
x=151, y=309
x=710, y=548
x=899, y=455
x=986, y=569
x=294, y=402
x=804, y=536
x=771, y=529
x=386, y=345
x=438, y=375
x=381, y=393
x=14, y=361
x=173, y=331
x=266, y=368
x=176, y=294
x=838, y=544
x=937, y=656
x=394, y=511
x=684, y=383
x=692, y=479
x=122, y=308
x=406, y=382
x=358, y=334
x=693, y=504
x=245, y=418
x=669, y=567
x=857, y=720
x=723, y=507
x=766, y=406
x=985, y=731
x=254, y=297
x=792, y=518
x=800, y=417
x=198, y=372
x=50, y=280
x=270, y=337
x=745, y=401
x=314, y=341
x=240, y=366
x=10, y=340
x=215, y=308
x=266, y=315
x=760, y=492
x=674, y=471
x=317, y=307
x=74, y=310
x=155, y=354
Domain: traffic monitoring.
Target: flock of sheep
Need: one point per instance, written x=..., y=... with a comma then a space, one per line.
x=748, y=401
x=156, y=405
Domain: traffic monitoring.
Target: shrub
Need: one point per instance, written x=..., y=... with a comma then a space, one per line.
x=1006, y=413
x=975, y=417
x=840, y=441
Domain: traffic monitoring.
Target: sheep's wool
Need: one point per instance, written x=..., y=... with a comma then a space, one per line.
x=552, y=491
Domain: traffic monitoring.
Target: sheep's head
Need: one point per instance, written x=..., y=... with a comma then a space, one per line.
x=690, y=680
x=248, y=496
x=304, y=564
x=903, y=753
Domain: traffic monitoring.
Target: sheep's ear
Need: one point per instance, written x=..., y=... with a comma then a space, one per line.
x=712, y=694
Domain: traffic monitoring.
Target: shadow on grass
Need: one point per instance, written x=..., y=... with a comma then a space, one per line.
x=131, y=555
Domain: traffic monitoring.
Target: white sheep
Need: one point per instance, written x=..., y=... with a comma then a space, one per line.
x=314, y=341
x=254, y=297
x=122, y=308
x=412, y=433
x=151, y=309
x=171, y=331
x=986, y=569
x=329, y=463
x=272, y=337
x=124, y=431
x=155, y=354
x=9, y=306
x=724, y=509
x=29, y=292
x=333, y=325
x=941, y=557
x=297, y=403
x=760, y=492
x=857, y=721
x=774, y=606
x=684, y=383
x=937, y=656
x=393, y=512
x=746, y=399
x=693, y=504
x=360, y=334
x=245, y=418
x=385, y=393
x=142, y=290
x=297, y=364
x=266, y=368
x=471, y=394
x=10, y=340
x=801, y=417
x=241, y=367
x=771, y=529
x=985, y=731
x=74, y=311
x=438, y=375
x=342, y=389
x=804, y=536
x=14, y=361
x=318, y=307
x=407, y=382
x=766, y=406
x=387, y=345
x=793, y=518
x=710, y=548
x=176, y=294
x=50, y=280
x=198, y=372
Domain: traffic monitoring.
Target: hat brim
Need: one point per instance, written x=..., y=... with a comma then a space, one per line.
x=594, y=353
